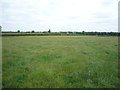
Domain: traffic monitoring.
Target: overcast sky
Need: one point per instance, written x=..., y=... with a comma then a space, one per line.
x=59, y=15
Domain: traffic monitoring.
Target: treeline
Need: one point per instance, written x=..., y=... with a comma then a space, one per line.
x=33, y=33
x=99, y=33
x=29, y=34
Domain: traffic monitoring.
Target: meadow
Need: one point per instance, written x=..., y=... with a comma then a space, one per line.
x=60, y=62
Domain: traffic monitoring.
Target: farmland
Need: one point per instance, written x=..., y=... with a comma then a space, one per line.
x=60, y=62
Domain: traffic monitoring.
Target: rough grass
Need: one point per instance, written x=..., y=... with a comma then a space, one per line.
x=60, y=62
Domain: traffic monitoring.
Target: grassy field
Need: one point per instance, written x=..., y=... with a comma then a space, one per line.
x=60, y=62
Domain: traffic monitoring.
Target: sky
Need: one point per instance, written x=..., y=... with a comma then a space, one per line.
x=59, y=15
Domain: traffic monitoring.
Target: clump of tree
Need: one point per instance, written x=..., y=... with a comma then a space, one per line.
x=4, y=33
x=49, y=31
x=83, y=32
x=18, y=31
x=33, y=31
x=99, y=33
x=0, y=28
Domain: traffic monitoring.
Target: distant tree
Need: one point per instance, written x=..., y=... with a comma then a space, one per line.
x=70, y=32
x=18, y=31
x=0, y=28
x=33, y=31
x=83, y=32
x=49, y=31
x=44, y=32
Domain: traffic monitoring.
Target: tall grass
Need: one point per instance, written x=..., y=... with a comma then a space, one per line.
x=60, y=62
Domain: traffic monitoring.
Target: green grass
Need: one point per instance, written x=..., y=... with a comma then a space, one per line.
x=60, y=62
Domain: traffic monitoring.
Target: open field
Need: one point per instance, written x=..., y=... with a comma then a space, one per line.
x=60, y=62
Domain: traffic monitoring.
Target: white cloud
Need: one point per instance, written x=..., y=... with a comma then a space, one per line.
x=60, y=15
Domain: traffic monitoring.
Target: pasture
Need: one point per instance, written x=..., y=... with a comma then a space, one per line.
x=60, y=62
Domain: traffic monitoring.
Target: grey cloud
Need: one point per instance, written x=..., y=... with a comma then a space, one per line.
x=101, y=15
x=33, y=16
x=107, y=3
x=73, y=17
x=50, y=9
